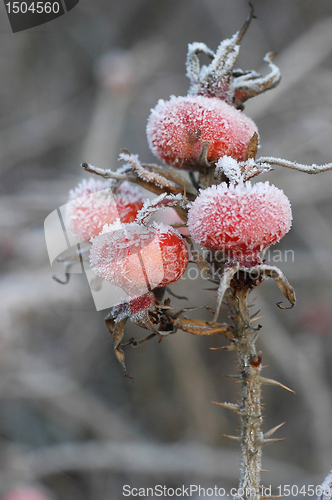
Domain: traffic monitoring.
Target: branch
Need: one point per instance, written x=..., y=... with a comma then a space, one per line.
x=308, y=169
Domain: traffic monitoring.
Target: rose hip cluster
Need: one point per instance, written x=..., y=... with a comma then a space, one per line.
x=204, y=133
x=208, y=146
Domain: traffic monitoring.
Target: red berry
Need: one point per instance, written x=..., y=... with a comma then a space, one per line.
x=138, y=258
x=178, y=128
x=93, y=204
x=240, y=220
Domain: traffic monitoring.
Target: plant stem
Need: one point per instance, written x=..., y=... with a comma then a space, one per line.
x=250, y=406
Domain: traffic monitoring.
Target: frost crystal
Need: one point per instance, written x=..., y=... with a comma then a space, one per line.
x=231, y=168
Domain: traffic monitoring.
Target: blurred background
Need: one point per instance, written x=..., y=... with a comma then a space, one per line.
x=79, y=89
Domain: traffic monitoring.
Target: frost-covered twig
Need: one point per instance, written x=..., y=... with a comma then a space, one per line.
x=309, y=169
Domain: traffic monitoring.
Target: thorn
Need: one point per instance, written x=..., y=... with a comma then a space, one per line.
x=229, y=406
x=272, y=431
x=232, y=376
x=224, y=348
x=255, y=314
x=269, y=381
x=256, y=319
x=256, y=336
x=270, y=441
x=265, y=470
x=237, y=438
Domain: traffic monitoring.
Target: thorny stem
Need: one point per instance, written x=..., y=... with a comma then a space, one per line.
x=250, y=406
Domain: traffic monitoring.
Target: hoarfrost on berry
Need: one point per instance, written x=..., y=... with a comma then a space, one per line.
x=138, y=258
x=240, y=220
x=95, y=203
x=177, y=130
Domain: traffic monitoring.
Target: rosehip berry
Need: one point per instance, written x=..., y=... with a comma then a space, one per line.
x=178, y=128
x=93, y=204
x=240, y=220
x=138, y=258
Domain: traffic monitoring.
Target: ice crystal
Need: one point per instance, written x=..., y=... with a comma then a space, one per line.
x=231, y=168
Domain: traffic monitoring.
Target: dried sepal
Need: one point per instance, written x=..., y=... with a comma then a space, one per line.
x=197, y=327
x=115, y=322
x=252, y=148
x=143, y=319
x=220, y=79
x=249, y=84
x=214, y=80
x=274, y=272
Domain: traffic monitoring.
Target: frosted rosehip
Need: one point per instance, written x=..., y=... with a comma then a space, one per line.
x=138, y=258
x=240, y=220
x=178, y=128
x=93, y=204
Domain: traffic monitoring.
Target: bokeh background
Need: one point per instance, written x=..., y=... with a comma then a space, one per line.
x=79, y=89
